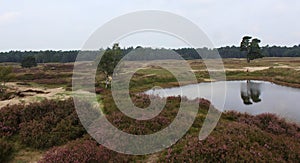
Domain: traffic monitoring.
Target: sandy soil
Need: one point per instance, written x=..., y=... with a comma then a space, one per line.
x=252, y=69
x=53, y=93
x=26, y=155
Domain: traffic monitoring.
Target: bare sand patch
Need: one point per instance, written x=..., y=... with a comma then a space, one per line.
x=31, y=94
x=252, y=69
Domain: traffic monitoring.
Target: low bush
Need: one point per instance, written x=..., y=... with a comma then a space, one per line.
x=235, y=142
x=267, y=122
x=6, y=150
x=10, y=120
x=42, y=125
x=237, y=137
x=141, y=127
x=83, y=150
x=47, y=132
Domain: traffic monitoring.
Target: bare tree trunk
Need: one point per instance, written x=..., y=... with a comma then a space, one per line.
x=2, y=89
x=106, y=82
x=248, y=58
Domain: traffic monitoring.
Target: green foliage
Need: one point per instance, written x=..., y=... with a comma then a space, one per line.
x=252, y=48
x=5, y=73
x=29, y=62
x=245, y=43
x=50, y=56
x=110, y=60
x=5, y=76
x=145, y=79
x=255, y=50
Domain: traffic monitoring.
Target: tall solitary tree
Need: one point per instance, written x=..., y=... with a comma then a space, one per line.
x=251, y=48
x=109, y=61
x=5, y=76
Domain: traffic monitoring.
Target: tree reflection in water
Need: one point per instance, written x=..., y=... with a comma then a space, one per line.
x=250, y=92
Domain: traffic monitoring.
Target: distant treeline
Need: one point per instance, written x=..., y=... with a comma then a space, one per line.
x=146, y=53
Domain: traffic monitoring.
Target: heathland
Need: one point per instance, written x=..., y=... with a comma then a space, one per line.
x=38, y=120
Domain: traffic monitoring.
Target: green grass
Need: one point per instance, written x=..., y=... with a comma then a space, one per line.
x=145, y=79
x=282, y=76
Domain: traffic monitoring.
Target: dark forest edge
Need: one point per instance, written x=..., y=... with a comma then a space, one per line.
x=186, y=53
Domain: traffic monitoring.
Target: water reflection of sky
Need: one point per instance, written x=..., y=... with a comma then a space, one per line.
x=280, y=100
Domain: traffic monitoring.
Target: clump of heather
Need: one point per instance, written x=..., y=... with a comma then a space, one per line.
x=6, y=150
x=83, y=150
x=267, y=122
x=240, y=137
x=41, y=125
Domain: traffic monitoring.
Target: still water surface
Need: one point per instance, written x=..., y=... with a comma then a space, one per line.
x=254, y=97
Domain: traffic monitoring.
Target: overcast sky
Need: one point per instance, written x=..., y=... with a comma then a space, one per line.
x=67, y=24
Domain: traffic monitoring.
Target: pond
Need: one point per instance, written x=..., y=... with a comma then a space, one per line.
x=253, y=97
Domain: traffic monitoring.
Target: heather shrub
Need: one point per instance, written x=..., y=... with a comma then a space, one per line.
x=141, y=127
x=83, y=150
x=57, y=125
x=42, y=125
x=35, y=134
x=10, y=119
x=59, y=67
x=235, y=142
x=267, y=122
x=5, y=150
x=57, y=81
x=237, y=138
x=273, y=124
x=98, y=90
x=41, y=77
x=231, y=115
